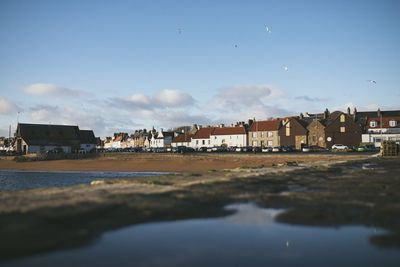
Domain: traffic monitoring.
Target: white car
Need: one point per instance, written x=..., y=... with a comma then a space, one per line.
x=340, y=147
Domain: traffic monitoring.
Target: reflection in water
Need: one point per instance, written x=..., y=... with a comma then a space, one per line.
x=250, y=237
x=20, y=180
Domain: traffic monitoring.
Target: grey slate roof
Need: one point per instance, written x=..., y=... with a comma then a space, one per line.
x=45, y=134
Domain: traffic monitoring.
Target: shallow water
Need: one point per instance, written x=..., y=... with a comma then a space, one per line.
x=249, y=237
x=11, y=180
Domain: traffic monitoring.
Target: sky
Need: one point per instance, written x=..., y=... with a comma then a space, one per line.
x=115, y=66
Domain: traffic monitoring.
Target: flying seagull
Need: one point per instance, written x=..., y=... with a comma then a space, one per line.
x=267, y=29
x=371, y=81
x=236, y=46
x=285, y=68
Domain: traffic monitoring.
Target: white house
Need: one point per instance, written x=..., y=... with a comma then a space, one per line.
x=229, y=136
x=162, y=139
x=202, y=138
x=384, y=127
x=183, y=139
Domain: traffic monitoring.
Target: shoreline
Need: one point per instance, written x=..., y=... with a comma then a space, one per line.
x=324, y=193
x=200, y=162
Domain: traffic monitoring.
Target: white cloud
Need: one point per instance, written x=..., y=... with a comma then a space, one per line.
x=7, y=106
x=43, y=89
x=242, y=102
x=166, y=98
x=173, y=98
x=312, y=99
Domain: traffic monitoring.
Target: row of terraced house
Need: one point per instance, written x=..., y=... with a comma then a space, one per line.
x=322, y=130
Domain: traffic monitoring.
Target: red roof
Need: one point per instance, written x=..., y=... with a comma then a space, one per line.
x=183, y=138
x=229, y=130
x=262, y=126
x=385, y=122
x=203, y=133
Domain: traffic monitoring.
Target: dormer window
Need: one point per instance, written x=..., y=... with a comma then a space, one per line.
x=342, y=118
x=372, y=124
x=392, y=123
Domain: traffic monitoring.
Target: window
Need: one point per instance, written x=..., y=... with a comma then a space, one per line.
x=269, y=143
x=372, y=123
x=204, y=142
x=342, y=118
x=254, y=143
x=262, y=134
x=270, y=134
x=254, y=134
x=392, y=123
x=197, y=142
x=342, y=129
x=209, y=141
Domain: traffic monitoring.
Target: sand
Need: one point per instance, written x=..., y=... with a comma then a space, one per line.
x=197, y=162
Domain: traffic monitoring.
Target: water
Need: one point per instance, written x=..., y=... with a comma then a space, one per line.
x=19, y=180
x=250, y=237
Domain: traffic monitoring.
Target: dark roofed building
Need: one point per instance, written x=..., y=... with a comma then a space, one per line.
x=293, y=132
x=87, y=140
x=335, y=128
x=35, y=138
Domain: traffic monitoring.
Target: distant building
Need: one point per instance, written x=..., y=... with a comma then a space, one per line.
x=35, y=138
x=293, y=132
x=182, y=139
x=264, y=133
x=202, y=138
x=235, y=136
x=379, y=126
x=88, y=141
x=334, y=128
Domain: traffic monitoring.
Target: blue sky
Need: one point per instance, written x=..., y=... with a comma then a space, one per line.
x=124, y=65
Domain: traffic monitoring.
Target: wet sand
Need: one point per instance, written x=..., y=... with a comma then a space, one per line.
x=198, y=162
x=323, y=190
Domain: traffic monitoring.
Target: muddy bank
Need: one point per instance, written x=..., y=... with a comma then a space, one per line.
x=363, y=192
x=196, y=162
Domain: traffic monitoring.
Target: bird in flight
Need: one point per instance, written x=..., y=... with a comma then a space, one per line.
x=285, y=68
x=236, y=46
x=371, y=81
x=268, y=29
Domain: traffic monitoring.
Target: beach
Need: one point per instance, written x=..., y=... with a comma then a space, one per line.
x=314, y=189
x=166, y=162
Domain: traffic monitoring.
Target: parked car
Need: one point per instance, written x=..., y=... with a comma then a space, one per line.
x=339, y=147
x=288, y=149
x=203, y=149
x=257, y=149
x=266, y=149
x=306, y=149
x=366, y=148
x=276, y=149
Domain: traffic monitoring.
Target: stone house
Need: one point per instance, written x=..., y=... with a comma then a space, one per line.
x=335, y=128
x=264, y=133
x=293, y=132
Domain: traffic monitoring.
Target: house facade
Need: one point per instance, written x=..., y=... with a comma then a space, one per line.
x=161, y=139
x=335, y=128
x=264, y=133
x=202, y=138
x=182, y=139
x=39, y=138
x=88, y=141
x=229, y=136
x=379, y=126
x=293, y=132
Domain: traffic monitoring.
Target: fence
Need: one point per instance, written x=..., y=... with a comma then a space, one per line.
x=389, y=149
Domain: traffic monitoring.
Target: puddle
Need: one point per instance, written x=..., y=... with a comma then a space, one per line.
x=248, y=237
